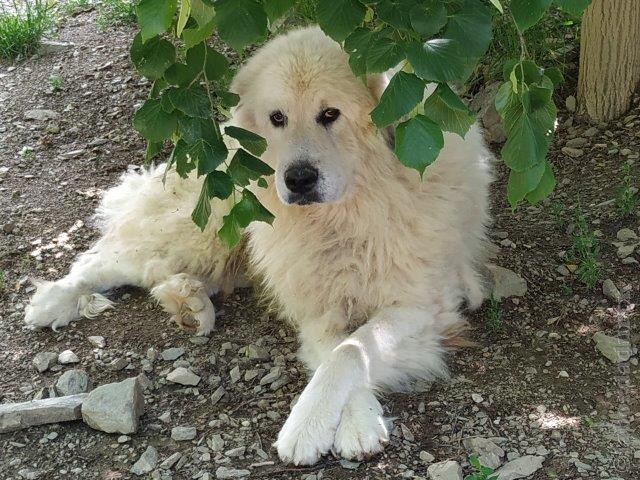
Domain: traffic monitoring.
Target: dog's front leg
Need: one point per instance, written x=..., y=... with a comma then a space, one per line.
x=338, y=407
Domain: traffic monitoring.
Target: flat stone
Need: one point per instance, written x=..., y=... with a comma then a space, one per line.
x=97, y=341
x=146, y=463
x=115, y=407
x=47, y=47
x=217, y=395
x=225, y=472
x=521, y=467
x=170, y=461
x=615, y=349
x=43, y=361
x=73, y=382
x=506, y=283
x=171, y=354
x=488, y=452
x=67, y=357
x=576, y=142
x=626, y=250
x=16, y=416
x=447, y=470
x=426, y=457
x=626, y=234
x=272, y=376
x=183, y=376
x=572, y=152
x=181, y=434
x=257, y=353
x=40, y=115
x=610, y=290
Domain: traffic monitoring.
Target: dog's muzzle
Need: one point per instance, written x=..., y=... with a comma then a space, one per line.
x=301, y=180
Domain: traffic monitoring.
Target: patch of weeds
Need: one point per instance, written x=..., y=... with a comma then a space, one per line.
x=482, y=472
x=26, y=262
x=552, y=42
x=567, y=290
x=584, y=252
x=27, y=153
x=557, y=213
x=55, y=82
x=71, y=7
x=3, y=279
x=22, y=25
x=493, y=315
x=627, y=200
x=116, y=12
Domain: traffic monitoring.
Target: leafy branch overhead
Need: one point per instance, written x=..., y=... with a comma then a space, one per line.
x=433, y=41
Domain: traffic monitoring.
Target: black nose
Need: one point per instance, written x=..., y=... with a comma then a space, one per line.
x=301, y=178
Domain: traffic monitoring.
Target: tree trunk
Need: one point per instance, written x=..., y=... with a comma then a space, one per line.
x=609, y=58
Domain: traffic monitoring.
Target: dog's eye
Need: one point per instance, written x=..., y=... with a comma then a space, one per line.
x=278, y=119
x=328, y=115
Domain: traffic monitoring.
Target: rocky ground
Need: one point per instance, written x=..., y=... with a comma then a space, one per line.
x=541, y=392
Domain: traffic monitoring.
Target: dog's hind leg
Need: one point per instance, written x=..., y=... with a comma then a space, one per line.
x=55, y=304
x=186, y=298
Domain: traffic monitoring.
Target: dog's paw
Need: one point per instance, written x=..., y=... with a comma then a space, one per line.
x=362, y=432
x=54, y=305
x=308, y=433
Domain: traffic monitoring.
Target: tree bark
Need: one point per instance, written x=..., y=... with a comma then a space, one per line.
x=609, y=58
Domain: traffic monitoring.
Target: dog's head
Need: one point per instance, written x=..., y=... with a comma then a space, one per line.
x=300, y=94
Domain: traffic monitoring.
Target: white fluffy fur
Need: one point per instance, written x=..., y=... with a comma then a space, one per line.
x=372, y=278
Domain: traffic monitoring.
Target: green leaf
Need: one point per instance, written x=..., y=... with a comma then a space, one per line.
x=193, y=36
x=545, y=187
x=155, y=16
x=396, y=13
x=153, y=122
x=202, y=212
x=445, y=108
x=229, y=99
x=183, y=16
x=574, y=8
x=249, y=140
x=475, y=461
x=471, y=27
x=403, y=93
x=192, y=101
x=201, y=12
x=240, y=22
x=383, y=54
x=181, y=158
x=247, y=210
x=338, y=18
x=277, y=8
x=219, y=184
x=153, y=148
x=244, y=167
x=498, y=5
x=428, y=17
x=521, y=183
x=527, y=13
x=192, y=129
x=529, y=120
x=555, y=75
x=418, y=142
x=152, y=58
x=357, y=46
x=216, y=65
x=439, y=60
x=208, y=154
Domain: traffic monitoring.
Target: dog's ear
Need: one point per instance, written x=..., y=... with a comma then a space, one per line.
x=242, y=113
x=377, y=85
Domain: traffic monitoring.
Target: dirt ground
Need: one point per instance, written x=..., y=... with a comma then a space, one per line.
x=536, y=386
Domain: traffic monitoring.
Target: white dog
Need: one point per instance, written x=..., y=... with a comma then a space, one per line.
x=369, y=262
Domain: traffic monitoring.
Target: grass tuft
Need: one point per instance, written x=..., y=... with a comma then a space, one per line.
x=585, y=252
x=22, y=25
x=493, y=315
x=627, y=200
x=116, y=12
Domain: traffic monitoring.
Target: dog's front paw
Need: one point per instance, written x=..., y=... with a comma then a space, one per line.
x=362, y=432
x=308, y=433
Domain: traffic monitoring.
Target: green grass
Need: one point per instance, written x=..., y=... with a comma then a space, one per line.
x=22, y=25
x=482, y=472
x=116, y=12
x=69, y=7
x=557, y=210
x=627, y=200
x=584, y=252
x=55, y=82
x=547, y=43
x=493, y=315
x=3, y=279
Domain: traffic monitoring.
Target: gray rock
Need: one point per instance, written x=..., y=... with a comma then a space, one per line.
x=626, y=234
x=67, y=357
x=426, y=457
x=29, y=474
x=217, y=395
x=570, y=103
x=272, y=376
x=170, y=461
x=97, y=341
x=447, y=470
x=257, y=353
x=171, y=354
x=183, y=376
x=181, y=434
x=488, y=452
x=225, y=472
x=626, y=250
x=118, y=364
x=577, y=142
x=610, y=290
x=115, y=407
x=52, y=46
x=41, y=115
x=572, y=152
x=615, y=349
x=506, y=283
x=521, y=467
x=73, y=382
x=146, y=462
x=15, y=416
x=43, y=361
